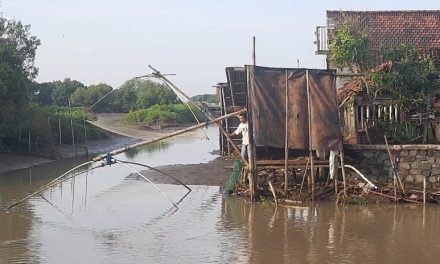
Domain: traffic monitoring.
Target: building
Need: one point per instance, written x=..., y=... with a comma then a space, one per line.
x=385, y=29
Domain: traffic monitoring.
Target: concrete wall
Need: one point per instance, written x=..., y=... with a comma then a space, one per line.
x=413, y=165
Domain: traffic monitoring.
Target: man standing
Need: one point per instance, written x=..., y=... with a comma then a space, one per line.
x=243, y=130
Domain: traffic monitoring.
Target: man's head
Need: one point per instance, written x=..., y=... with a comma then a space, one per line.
x=243, y=117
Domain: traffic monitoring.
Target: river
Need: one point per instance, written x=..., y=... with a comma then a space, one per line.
x=105, y=216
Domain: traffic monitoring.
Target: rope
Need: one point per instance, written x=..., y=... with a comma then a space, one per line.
x=152, y=168
x=155, y=186
x=179, y=95
x=47, y=186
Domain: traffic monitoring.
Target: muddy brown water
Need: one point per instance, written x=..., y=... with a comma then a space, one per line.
x=106, y=217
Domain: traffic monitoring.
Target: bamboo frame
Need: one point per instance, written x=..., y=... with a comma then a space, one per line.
x=312, y=173
x=175, y=133
x=286, y=139
x=251, y=148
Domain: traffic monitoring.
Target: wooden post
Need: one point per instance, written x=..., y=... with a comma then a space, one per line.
x=254, y=59
x=286, y=139
x=309, y=105
x=48, y=126
x=344, y=178
x=30, y=147
x=85, y=138
x=251, y=148
x=59, y=128
x=424, y=190
x=71, y=126
x=85, y=132
x=226, y=122
x=425, y=125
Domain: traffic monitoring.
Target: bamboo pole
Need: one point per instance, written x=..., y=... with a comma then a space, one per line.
x=424, y=190
x=425, y=125
x=304, y=176
x=59, y=128
x=175, y=133
x=309, y=99
x=29, y=137
x=393, y=165
x=286, y=139
x=251, y=147
x=53, y=182
x=71, y=127
x=52, y=145
x=157, y=74
x=344, y=178
x=85, y=132
x=254, y=59
x=226, y=122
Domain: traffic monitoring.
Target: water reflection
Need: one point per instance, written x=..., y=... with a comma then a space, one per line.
x=107, y=217
x=327, y=233
x=151, y=148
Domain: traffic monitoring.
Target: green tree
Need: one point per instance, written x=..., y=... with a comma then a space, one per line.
x=409, y=78
x=63, y=91
x=87, y=96
x=17, y=54
x=140, y=94
x=208, y=98
x=41, y=93
x=349, y=47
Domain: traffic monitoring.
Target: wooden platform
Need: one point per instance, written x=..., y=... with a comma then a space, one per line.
x=292, y=163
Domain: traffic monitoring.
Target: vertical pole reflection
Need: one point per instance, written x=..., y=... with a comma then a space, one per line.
x=30, y=176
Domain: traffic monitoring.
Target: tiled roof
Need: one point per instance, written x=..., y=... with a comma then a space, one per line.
x=392, y=28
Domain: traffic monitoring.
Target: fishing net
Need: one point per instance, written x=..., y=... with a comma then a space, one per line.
x=238, y=165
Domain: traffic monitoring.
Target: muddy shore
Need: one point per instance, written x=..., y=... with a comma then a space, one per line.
x=16, y=161
x=213, y=173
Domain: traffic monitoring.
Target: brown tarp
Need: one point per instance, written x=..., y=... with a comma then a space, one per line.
x=267, y=95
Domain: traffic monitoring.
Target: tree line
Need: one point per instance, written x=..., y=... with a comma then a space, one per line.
x=29, y=107
x=133, y=95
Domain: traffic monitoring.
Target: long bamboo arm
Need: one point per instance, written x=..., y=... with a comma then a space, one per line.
x=175, y=133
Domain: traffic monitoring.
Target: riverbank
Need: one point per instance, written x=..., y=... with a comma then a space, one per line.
x=121, y=135
x=10, y=161
x=213, y=173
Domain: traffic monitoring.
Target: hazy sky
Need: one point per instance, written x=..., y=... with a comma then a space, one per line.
x=112, y=41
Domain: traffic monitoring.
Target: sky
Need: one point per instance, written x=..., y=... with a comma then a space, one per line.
x=111, y=41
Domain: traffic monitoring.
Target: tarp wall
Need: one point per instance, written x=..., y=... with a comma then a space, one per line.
x=268, y=88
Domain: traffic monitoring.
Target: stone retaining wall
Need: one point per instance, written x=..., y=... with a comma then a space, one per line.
x=412, y=165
